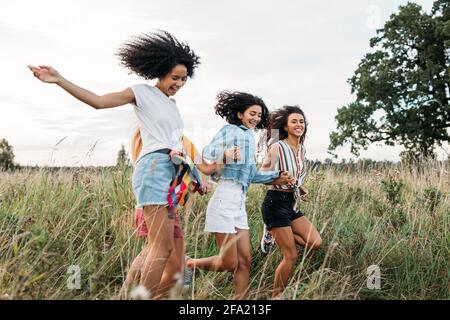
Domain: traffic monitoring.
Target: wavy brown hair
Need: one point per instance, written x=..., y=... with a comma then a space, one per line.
x=277, y=121
x=229, y=104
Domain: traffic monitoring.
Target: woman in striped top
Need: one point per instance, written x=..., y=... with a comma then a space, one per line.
x=287, y=225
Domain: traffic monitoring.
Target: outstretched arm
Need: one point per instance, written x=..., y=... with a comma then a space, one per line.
x=48, y=74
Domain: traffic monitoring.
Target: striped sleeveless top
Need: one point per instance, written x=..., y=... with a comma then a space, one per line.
x=293, y=163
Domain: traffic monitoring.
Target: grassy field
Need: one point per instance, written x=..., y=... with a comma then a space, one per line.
x=398, y=219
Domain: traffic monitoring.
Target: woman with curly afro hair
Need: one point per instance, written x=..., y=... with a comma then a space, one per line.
x=151, y=56
x=226, y=216
x=283, y=223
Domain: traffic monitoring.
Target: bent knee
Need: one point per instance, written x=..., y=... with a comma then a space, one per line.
x=316, y=244
x=291, y=257
x=245, y=262
x=229, y=264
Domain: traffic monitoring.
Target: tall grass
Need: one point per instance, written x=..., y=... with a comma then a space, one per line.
x=398, y=219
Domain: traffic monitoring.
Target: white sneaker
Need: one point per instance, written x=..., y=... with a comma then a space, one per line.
x=267, y=241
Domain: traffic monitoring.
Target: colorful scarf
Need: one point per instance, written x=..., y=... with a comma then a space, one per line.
x=178, y=194
x=187, y=178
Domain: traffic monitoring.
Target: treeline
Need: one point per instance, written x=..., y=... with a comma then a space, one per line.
x=344, y=166
x=83, y=169
x=369, y=165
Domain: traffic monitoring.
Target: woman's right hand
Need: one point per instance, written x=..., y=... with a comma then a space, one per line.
x=232, y=155
x=285, y=178
x=46, y=74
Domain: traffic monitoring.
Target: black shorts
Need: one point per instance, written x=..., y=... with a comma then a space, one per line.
x=278, y=209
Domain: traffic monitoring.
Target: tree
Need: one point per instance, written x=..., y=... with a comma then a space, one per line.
x=402, y=88
x=122, y=158
x=6, y=156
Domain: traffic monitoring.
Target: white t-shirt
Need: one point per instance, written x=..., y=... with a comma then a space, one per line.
x=159, y=119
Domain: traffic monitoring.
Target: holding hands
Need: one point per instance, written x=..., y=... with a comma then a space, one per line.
x=205, y=188
x=285, y=178
x=304, y=193
x=232, y=155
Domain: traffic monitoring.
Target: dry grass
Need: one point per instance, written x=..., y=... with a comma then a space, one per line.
x=397, y=219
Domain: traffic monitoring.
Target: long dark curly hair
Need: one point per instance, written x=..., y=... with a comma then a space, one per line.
x=153, y=55
x=277, y=121
x=230, y=103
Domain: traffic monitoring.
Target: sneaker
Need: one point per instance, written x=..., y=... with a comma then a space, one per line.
x=188, y=274
x=266, y=241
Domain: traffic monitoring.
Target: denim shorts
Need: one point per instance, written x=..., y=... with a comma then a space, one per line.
x=151, y=180
x=278, y=209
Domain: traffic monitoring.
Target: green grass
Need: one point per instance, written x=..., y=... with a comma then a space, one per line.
x=398, y=220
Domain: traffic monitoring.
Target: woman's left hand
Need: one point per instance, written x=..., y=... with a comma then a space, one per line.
x=304, y=193
x=175, y=156
x=205, y=188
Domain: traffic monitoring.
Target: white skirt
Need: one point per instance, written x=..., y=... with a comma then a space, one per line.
x=226, y=209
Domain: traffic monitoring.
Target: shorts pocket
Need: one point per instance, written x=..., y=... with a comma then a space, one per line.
x=231, y=206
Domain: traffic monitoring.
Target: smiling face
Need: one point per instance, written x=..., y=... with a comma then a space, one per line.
x=251, y=116
x=173, y=81
x=295, y=125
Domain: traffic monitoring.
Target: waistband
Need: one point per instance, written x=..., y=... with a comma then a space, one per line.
x=230, y=184
x=280, y=194
x=165, y=151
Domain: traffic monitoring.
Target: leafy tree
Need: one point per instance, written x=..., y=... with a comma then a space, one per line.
x=6, y=156
x=402, y=87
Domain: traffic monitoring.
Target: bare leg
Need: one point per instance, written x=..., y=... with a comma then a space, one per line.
x=285, y=241
x=299, y=240
x=160, y=245
x=241, y=274
x=225, y=261
x=305, y=233
x=174, y=268
x=134, y=273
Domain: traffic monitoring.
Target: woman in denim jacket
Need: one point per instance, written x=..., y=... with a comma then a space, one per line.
x=234, y=147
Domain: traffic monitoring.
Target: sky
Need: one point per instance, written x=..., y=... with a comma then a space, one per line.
x=287, y=52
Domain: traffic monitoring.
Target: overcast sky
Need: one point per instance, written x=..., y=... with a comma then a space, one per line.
x=287, y=52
